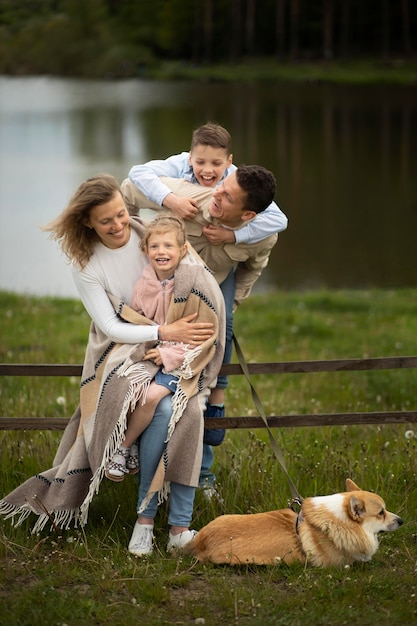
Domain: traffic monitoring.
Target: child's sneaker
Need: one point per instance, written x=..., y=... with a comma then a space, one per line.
x=132, y=461
x=141, y=542
x=179, y=541
x=116, y=467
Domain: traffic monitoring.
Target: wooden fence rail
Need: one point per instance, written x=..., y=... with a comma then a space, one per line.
x=274, y=421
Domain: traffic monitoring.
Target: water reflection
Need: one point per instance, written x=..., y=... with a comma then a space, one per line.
x=342, y=156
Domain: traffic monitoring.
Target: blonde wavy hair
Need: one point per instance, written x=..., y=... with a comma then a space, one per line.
x=70, y=229
x=164, y=224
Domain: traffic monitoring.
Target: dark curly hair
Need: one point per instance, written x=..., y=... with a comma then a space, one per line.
x=259, y=185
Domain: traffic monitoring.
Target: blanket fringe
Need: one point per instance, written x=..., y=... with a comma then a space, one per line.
x=186, y=371
x=138, y=388
x=162, y=497
x=179, y=402
x=62, y=519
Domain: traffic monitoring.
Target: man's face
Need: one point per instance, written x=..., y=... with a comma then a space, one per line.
x=228, y=202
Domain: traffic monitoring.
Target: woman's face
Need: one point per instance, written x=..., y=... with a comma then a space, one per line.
x=111, y=222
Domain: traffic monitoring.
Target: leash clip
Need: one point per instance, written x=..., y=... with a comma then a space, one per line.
x=295, y=501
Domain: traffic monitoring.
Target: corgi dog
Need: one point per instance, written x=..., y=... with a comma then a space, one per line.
x=329, y=531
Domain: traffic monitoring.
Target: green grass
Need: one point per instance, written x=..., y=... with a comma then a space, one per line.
x=86, y=576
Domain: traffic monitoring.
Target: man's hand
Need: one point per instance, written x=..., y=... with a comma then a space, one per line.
x=218, y=235
x=184, y=208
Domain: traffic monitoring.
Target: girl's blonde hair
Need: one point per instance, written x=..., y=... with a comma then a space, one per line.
x=70, y=229
x=164, y=224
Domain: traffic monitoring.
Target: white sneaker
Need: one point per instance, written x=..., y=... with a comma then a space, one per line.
x=141, y=542
x=179, y=541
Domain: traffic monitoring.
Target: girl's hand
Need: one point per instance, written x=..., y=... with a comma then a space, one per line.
x=153, y=355
x=187, y=331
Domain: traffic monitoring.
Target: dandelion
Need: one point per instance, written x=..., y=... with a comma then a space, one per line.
x=409, y=434
x=61, y=401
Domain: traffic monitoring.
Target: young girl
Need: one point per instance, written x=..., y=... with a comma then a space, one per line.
x=164, y=242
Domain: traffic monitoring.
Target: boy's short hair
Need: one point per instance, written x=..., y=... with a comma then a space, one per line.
x=164, y=224
x=259, y=185
x=213, y=135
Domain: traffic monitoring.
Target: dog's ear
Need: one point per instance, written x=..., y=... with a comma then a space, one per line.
x=351, y=486
x=357, y=508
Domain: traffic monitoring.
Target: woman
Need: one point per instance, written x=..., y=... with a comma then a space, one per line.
x=103, y=244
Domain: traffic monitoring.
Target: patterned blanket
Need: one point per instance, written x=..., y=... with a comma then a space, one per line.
x=114, y=379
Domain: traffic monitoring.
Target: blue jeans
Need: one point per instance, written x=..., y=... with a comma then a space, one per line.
x=228, y=289
x=151, y=446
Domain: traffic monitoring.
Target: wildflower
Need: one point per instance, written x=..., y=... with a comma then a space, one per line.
x=409, y=434
x=61, y=401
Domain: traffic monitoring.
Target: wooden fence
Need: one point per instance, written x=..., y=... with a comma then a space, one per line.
x=245, y=421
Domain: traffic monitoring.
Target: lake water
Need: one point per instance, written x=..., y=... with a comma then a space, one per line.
x=345, y=160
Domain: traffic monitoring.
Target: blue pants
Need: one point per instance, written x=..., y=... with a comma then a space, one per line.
x=151, y=446
x=228, y=290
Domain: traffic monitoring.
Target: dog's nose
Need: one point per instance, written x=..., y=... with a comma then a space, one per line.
x=400, y=521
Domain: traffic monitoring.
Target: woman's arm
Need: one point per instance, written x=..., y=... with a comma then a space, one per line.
x=101, y=311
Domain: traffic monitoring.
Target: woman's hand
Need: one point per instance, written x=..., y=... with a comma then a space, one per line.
x=187, y=331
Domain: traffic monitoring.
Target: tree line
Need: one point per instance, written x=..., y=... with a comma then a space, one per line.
x=124, y=37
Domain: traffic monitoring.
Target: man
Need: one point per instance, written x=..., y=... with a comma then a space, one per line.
x=236, y=266
x=241, y=196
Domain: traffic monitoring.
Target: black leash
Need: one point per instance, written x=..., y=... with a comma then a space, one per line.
x=296, y=498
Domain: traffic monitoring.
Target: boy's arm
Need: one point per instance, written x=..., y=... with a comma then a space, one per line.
x=146, y=178
x=266, y=223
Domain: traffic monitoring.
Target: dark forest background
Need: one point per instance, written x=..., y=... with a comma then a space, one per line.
x=123, y=38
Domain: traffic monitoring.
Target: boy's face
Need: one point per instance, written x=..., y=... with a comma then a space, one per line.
x=209, y=164
x=164, y=253
x=228, y=203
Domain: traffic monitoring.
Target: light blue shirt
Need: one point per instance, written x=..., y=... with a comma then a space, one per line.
x=146, y=178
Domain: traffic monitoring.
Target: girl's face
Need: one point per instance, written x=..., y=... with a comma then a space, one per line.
x=164, y=253
x=111, y=222
x=209, y=164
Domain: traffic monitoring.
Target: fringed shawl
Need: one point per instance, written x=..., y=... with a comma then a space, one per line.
x=114, y=379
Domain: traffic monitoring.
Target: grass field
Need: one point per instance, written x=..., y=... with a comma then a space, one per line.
x=86, y=576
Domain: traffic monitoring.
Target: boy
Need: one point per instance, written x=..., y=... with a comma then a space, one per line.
x=208, y=163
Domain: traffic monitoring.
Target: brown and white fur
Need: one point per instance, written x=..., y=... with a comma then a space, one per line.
x=333, y=530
